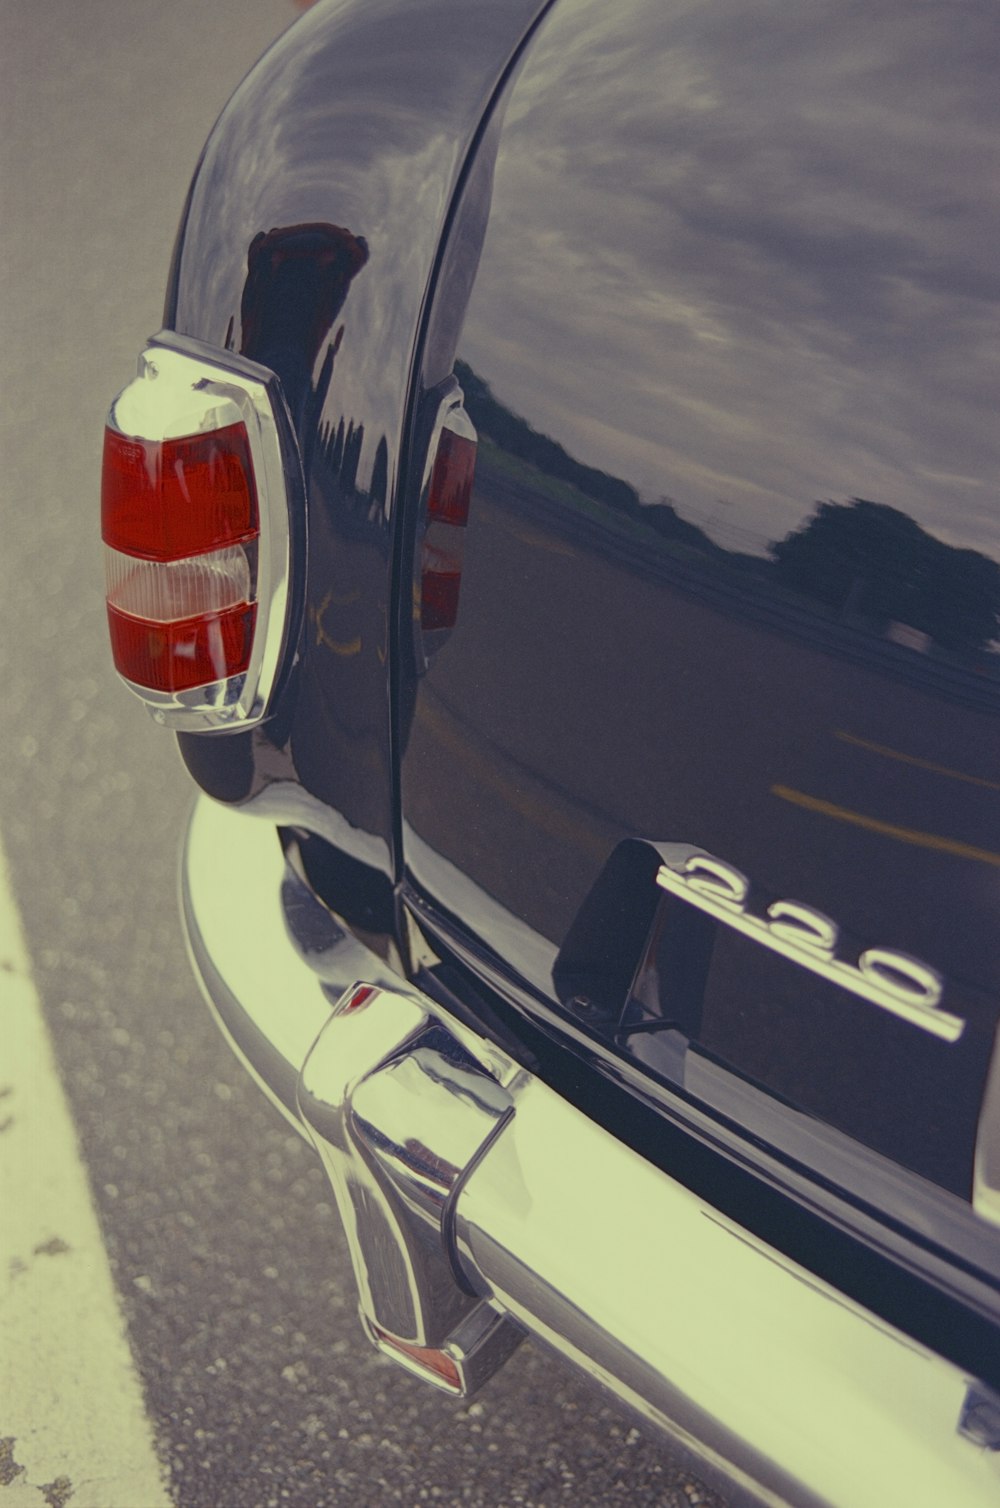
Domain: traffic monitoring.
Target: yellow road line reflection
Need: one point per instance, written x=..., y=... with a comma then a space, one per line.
x=537, y=540
x=345, y=648
x=887, y=829
x=445, y=729
x=922, y=764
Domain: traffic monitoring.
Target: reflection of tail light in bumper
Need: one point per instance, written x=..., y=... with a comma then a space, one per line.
x=444, y=513
x=195, y=519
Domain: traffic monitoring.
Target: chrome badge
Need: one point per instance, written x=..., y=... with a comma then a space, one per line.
x=894, y=981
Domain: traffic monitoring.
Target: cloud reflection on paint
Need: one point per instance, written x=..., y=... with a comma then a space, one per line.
x=756, y=255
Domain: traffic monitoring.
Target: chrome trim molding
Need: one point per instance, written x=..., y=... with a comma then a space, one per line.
x=896, y=982
x=986, y=1168
x=483, y=1204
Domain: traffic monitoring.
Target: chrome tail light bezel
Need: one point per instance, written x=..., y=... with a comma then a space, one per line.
x=182, y=387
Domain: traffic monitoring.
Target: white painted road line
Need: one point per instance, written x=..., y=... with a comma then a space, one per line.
x=72, y=1426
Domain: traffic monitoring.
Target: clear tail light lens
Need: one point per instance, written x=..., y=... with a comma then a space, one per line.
x=194, y=513
x=159, y=591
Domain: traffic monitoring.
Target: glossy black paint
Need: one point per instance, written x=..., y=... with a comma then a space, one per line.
x=731, y=572
x=706, y=309
x=309, y=240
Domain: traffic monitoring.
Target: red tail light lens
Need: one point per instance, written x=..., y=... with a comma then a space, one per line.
x=450, y=490
x=165, y=499
x=440, y=584
x=184, y=653
x=449, y=494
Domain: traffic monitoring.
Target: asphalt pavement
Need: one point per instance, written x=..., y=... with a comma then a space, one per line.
x=227, y=1257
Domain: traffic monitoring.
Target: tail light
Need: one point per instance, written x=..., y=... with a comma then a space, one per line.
x=447, y=496
x=195, y=521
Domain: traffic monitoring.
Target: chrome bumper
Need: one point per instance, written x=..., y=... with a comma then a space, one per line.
x=480, y=1205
